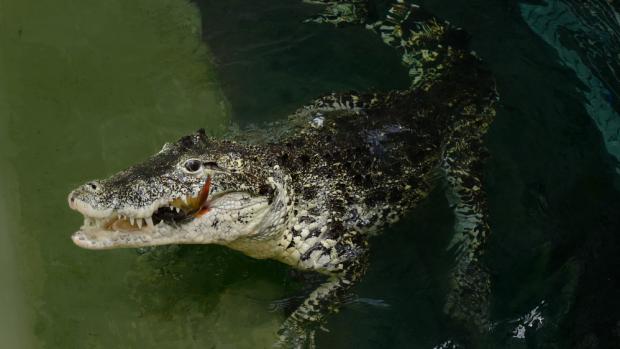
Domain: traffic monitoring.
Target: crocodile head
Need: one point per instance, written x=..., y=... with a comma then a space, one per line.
x=197, y=190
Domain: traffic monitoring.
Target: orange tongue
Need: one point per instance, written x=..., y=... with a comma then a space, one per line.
x=202, y=198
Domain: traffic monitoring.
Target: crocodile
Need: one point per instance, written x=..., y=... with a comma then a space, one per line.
x=312, y=190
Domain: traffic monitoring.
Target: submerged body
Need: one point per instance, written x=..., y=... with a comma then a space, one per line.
x=338, y=171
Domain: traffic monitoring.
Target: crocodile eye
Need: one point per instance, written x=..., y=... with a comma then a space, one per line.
x=192, y=165
x=92, y=186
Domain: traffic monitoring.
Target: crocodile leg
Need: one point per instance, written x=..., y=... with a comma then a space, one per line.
x=468, y=299
x=299, y=328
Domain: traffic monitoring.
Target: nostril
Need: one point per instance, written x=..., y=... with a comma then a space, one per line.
x=92, y=185
x=72, y=202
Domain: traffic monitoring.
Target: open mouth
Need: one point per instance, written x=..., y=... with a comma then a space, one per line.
x=172, y=212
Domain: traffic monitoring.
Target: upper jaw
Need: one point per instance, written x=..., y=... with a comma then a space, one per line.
x=134, y=216
x=128, y=217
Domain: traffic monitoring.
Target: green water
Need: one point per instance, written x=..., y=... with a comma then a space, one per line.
x=88, y=88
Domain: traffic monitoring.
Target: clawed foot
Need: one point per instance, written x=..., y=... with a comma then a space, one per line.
x=468, y=301
x=295, y=336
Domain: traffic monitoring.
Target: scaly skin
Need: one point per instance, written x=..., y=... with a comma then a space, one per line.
x=311, y=191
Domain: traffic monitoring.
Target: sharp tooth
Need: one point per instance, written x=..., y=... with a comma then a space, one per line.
x=186, y=200
x=149, y=222
x=178, y=210
x=131, y=220
x=139, y=221
x=171, y=208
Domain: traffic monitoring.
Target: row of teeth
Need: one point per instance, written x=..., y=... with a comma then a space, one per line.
x=148, y=221
x=139, y=222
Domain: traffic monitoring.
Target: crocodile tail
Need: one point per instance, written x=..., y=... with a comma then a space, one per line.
x=427, y=44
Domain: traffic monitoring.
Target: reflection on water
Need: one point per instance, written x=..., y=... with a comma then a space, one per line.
x=90, y=87
x=586, y=35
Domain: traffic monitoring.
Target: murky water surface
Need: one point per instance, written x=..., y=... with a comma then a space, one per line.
x=90, y=87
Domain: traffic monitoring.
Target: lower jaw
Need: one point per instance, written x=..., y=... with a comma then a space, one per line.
x=104, y=239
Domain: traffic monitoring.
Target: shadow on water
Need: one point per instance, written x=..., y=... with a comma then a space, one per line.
x=90, y=87
x=271, y=63
x=553, y=191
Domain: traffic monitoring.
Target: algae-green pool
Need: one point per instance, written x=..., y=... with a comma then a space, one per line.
x=89, y=87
